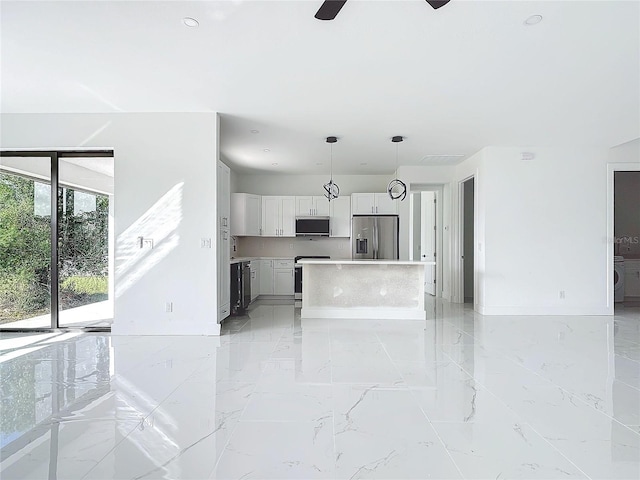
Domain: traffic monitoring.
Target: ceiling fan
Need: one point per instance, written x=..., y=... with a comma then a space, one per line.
x=330, y=8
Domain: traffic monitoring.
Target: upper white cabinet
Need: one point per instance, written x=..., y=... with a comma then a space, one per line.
x=340, y=211
x=246, y=214
x=278, y=216
x=373, y=203
x=223, y=252
x=312, y=206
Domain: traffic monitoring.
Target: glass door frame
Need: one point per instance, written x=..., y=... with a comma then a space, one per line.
x=55, y=156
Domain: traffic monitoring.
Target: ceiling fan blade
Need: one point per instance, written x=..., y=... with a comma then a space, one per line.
x=437, y=3
x=329, y=9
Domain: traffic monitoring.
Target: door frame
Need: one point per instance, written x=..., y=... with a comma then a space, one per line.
x=458, y=248
x=438, y=189
x=54, y=158
x=611, y=169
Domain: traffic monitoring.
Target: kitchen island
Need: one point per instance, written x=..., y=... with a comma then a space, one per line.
x=368, y=289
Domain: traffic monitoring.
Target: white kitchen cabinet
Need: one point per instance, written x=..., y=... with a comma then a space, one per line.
x=255, y=279
x=312, y=206
x=283, y=278
x=276, y=277
x=246, y=214
x=266, y=277
x=384, y=204
x=223, y=252
x=373, y=203
x=278, y=216
x=283, y=282
x=340, y=213
x=632, y=278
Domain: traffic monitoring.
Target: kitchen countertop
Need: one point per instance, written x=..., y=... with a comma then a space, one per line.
x=249, y=259
x=347, y=261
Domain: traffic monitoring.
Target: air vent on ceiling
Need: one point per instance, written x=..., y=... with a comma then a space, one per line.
x=441, y=159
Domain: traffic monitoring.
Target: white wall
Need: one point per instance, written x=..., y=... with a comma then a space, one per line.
x=628, y=152
x=310, y=184
x=545, y=224
x=165, y=189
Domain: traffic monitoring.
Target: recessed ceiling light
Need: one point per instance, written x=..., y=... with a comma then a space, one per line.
x=255, y=131
x=533, y=20
x=190, y=22
x=266, y=150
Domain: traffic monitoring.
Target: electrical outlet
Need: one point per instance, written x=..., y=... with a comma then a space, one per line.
x=205, y=243
x=291, y=246
x=168, y=307
x=562, y=296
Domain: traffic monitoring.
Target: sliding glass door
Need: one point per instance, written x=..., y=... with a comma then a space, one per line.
x=25, y=243
x=84, y=202
x=56, y=270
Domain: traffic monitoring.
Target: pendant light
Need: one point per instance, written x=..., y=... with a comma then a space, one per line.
x=331, y=190
x=397, y=189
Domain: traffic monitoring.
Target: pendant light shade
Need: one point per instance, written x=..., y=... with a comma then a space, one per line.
x=331, y=189
x=397, y=189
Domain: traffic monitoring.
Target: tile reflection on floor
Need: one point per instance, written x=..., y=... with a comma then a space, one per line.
x=457, y=396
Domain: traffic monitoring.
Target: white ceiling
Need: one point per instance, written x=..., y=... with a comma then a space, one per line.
x=451, y=80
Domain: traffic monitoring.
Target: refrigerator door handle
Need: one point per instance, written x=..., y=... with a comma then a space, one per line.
x=375, y=238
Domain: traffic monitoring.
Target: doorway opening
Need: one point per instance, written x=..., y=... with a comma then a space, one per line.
x=56, y=216
x=626, y=237
x=468, y=284
x=425, y=234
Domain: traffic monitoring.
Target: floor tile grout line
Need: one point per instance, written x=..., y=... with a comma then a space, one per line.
x=518, y=416
x=333, y=409
x=226, y=445
x=574, y=394
x=417, y=403
x=143, y=420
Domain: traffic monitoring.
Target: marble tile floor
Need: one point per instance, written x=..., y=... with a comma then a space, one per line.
x=460, y=395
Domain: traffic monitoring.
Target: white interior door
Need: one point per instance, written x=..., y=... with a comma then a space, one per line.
x=428, y=239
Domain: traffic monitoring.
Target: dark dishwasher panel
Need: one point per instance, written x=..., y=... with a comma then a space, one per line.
x=240, y=287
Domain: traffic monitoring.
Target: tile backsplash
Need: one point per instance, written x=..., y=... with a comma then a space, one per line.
x=338, y=248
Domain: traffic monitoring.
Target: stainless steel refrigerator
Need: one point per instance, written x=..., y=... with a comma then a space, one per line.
x=374, y=237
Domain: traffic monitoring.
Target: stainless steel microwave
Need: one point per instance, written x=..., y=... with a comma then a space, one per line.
x=318, y=226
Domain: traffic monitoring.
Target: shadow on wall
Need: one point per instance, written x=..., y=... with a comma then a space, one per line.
x=149, y=239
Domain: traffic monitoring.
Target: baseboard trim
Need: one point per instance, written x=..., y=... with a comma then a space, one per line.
x=542, y=310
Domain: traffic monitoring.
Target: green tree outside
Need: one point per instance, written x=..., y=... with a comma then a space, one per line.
x=25, y=249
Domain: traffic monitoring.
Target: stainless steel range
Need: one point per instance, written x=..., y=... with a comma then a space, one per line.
x=298, y=274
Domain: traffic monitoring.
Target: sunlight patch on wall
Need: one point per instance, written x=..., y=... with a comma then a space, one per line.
x=157, y=228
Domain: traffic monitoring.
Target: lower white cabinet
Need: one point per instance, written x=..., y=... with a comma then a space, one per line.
x=266, y=277
x=283, y=277
x=276, y=277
